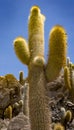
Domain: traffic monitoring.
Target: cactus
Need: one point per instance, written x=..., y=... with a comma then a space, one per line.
x=39, y=73
x=26, y=100
x=8, y=112
x=58, y=126
x=21, y=78
x=68, y=116
x=73, y=66
x=69, y=78
x=68, y=61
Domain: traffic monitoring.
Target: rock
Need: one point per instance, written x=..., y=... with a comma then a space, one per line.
x=4, y=124
x=20, y=122
x=9, y=92
x=73, y=123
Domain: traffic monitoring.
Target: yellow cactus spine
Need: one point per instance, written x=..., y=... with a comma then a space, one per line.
x=67, y=78
x=57, y=52
x=58, y=126
x=36, y=35
x=21, y=50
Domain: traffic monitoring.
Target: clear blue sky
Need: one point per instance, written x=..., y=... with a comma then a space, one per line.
x=13, y=23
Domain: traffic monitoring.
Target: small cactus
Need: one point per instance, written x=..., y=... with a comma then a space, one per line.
x=73, y=66
x=63, y=111
x=15, y=105
x=8, y=112
x=21, y=78
x=26, y=100
x=68, y=116
x=68, y=61
x=58, y=126
x=67, y=78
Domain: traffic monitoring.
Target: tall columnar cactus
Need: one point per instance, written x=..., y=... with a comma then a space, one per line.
x=39, y=73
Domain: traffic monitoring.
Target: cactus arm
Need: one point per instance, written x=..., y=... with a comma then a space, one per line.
x=36, y=35
x=57, y=52
x=22, y=50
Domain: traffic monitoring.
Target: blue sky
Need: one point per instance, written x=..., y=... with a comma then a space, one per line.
x=13, y=23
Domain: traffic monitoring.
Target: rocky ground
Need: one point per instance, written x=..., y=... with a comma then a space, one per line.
x=59, y=104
